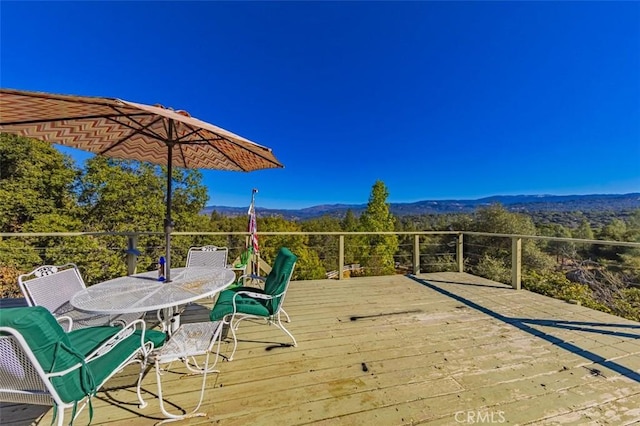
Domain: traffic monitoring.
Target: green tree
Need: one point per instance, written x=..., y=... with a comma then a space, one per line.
x=37, y=194
x=583, y=231
x=326, y=246
x=562, y=250
x=377, y=218
x=308, y=266
x=129, y=196
x=353, y=244
x=35, y=180
x=615, y=230
x=497, y=250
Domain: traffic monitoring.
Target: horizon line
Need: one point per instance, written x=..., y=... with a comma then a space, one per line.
x=428, y=200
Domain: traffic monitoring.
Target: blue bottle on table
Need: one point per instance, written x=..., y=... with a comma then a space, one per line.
x=161, y=271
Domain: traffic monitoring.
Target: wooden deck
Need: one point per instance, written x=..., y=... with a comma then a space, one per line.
x=441, y=349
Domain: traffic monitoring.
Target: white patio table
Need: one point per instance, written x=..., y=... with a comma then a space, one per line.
x=143, y=292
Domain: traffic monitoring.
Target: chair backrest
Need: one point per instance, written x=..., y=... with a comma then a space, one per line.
x=44, y=348
x=51, y=286
x=17, y=372
x=208, y=256
x=278, y=279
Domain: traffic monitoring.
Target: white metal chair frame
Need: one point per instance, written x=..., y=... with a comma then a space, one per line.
x=189, y=341
x=24, y=381
x=236, y=317
x=250, y=279
x=53, y=286
x=208, y=256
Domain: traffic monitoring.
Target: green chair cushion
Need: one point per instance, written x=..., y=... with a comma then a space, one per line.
x=104, y=366
x=85, y=340
x=244, y=304
x=56, y=350
x=278, y=278
x=158, y=338
x=276, y=283
x=52, y=348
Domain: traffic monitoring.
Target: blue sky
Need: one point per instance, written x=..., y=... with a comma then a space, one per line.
x=439, y=100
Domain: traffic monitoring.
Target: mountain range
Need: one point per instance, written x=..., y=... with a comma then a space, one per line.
x=521, y=203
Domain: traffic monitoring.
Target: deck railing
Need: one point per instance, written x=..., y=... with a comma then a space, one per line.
x=429, y=250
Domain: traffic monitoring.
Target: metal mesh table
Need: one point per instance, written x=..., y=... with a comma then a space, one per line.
x=143, y=292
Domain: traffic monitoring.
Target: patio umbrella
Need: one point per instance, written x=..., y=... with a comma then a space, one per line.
x=128, y=130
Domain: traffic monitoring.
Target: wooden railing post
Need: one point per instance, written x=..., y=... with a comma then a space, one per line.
x=132, y=254
x=459, y=253
x=516, y=262
x=341, y=258
x=416, y=254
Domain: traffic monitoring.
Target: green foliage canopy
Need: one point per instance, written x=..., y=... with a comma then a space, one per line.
x=378, y=218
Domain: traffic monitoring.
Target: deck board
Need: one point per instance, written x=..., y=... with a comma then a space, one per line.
x=395, y=350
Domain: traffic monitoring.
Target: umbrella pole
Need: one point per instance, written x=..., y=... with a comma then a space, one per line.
x=168, y=225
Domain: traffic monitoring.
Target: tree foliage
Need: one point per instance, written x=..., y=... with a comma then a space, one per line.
x=37, y=183
x=308, y=266
x=42, y=190
x=380, y=249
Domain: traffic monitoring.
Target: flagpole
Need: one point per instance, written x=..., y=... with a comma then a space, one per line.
x=253, y=227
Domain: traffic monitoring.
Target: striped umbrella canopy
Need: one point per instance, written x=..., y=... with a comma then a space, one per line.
x=131, y=131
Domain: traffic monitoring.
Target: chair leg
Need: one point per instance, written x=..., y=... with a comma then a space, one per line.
x=193, y=366
x=60, y=410
x=235, y=339
x=143, y=366
x=279, y=325
x=285, y=313
x=174, y=417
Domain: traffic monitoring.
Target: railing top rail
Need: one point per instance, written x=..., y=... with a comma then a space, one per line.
x=564, y=239
x=470, y=233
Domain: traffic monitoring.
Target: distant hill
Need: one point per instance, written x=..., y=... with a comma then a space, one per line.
x=523, y=203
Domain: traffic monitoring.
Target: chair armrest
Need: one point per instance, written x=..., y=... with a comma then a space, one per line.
x=254, y=295
x=62, y=319
x=125, y=332
x=252, y=277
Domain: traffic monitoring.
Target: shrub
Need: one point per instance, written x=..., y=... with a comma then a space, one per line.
x=493, y=269
x=9, y=282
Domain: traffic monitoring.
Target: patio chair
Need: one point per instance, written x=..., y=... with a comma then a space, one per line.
x=240, y=303
x=42, y=364
x=255, y=283
x=53, y=287
x=208, y=256
x=186, y=343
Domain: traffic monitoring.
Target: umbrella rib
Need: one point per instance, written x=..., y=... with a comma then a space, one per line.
x=181, y=153
x=185, y=136
x=135, y=131
x=253, y=152
x=141, y=127
x=80, y=117
x=207, y=141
